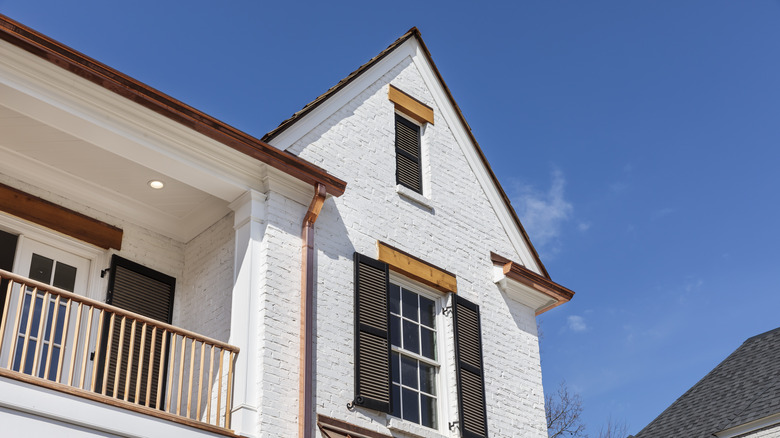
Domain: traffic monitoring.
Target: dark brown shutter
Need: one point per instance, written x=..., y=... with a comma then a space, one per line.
x=407, y=153
x=470, y=376
x=372, y=334
x=149, y=293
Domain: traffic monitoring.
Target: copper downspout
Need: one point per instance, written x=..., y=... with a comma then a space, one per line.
x=305, y=396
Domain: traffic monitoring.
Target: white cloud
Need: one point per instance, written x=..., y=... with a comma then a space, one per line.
x=576, y=323
x=543, y=213
x=583, y=226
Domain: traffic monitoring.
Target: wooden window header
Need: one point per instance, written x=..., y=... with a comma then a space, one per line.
x=417, y=269
x=410, y=106
x=58, y=218
x=333, y=428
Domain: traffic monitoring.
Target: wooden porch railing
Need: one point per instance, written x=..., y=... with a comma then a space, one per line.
x=65, y=341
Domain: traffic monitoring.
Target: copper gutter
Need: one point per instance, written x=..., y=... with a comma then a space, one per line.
x=305, y=396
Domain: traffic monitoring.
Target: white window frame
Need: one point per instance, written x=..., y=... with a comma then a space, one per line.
x=423, y=198
x=442, y=376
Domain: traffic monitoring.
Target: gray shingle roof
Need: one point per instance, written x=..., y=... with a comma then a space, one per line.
x=743, y=388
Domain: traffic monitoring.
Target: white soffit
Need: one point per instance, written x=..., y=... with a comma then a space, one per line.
x=521, y=293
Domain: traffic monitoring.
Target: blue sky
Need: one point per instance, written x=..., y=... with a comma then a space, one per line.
x=638, y=141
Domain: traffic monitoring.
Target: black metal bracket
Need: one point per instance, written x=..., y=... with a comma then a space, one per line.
x=452, y=425
x=447, y=311
x=351, y=405
x=103, y=272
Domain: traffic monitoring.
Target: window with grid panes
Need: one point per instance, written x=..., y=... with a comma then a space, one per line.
x=414, y=363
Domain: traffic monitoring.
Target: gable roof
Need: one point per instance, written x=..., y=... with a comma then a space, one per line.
x=159, y=102
x=413, y=33
x=744, y=387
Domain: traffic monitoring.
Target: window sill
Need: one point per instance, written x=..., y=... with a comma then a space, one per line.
x=413, y=430
x=416, y=198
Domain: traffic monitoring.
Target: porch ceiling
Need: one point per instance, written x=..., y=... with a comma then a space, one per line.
x=49, y=158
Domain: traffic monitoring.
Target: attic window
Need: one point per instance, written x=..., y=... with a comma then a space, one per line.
x=407, y=154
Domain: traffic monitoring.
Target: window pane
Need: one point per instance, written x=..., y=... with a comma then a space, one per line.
x=395, y=331
x=36, y=316
x=428, y=341
x=409, y=303
x=60, y=325
x=55, y=360
x=42, y=359
x=396, y=410
x=40, y=268
x=428, y=408
x=395, y=299
x=408, y=372
x=64, y=277
x=427, y=379
x=427, y=311
x=411, y=337
x=394, y=366
x=411, y=405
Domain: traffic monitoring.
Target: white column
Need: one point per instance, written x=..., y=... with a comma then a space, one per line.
x=249, y=225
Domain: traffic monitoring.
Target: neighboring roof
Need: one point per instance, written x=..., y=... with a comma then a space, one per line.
x=743, y=388
x=142, y=94
x=412, y=33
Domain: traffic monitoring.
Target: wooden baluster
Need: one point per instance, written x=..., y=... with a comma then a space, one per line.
x=85, y=352
x=200, y=374
x=170, y=375
x=64, y=339
x=211, y=384
x=151, y=365
x=17, y=322
x=130, y=351
x=39, y=334
x=23, y=359
x=228, y=398
x=192, y=372
x=5, y=313
x=107, y=358
x=76, y=335
x=140, y=365
x=181, y=374
x=97, y=349
x=162, y=368
x=52, y=334
x=118, y=368
x=219, y=387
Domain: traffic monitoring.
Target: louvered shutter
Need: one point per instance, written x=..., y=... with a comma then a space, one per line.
x=372, y=334
x=407, y=154
x=470, y=376
x=149, y=293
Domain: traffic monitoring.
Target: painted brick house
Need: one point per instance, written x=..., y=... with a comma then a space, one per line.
x=356, y=272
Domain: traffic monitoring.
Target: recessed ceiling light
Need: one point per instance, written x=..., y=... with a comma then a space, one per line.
x=156, y=184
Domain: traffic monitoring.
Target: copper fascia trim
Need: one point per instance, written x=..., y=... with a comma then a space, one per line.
x=81, y=65
x=523, y=275
x=415, y=33
x=328, y=424
x=305, y=381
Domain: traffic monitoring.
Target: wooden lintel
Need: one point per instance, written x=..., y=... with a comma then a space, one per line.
x=417, y=269
x=58, y=218
x=410, y=106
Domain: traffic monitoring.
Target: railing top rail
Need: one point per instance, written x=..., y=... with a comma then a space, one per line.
x=113, y=309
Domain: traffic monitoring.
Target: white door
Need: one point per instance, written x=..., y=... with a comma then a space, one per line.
x=52, y=266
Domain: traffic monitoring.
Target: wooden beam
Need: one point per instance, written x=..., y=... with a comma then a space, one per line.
x=55, y=217
x=417, y=269
x=410, y=106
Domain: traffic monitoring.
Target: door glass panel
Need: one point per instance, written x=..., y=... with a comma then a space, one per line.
x=40, y=268
x=65, y=276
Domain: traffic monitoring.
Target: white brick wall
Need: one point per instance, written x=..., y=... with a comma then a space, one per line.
x=203, y=294
x=457, y=234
